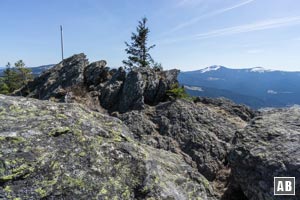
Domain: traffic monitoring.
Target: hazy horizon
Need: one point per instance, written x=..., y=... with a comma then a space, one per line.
x=189, y=34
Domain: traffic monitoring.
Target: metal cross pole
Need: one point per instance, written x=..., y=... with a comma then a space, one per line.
x=62, y=42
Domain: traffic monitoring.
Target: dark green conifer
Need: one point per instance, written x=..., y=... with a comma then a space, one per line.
x=138, y=50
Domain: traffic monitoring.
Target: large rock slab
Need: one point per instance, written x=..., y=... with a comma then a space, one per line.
x=65, y=151
x=269, y=147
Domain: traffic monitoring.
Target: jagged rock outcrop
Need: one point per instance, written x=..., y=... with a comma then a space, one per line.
x=65, y=151
x=58, y=80
x=268, y=147
x=201, y=132
x=75, y=80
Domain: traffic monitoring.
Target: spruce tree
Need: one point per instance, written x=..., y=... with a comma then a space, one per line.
x=4, y=89
x=24, y=74
x=11, y=78
x=137, y=50
x=15, y=77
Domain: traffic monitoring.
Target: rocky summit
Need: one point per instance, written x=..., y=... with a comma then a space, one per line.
x=75, y=80
x=101, y=133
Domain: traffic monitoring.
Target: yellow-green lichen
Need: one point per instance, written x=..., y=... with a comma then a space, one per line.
x=82, y=154
x=48, y=183
x=103, y=191
x=2, y=111
x=8, y=189
x=156, y=180
x=17, y=140
x=109, y=124
x=77, y=132
x=116, y=135
x=59, y=131
x=74, y=182
x=126, y=194
x=23, y=170
x=42, y=193
x=14, y=140
x=261, y=155
x=16, y=109
x=61, y=116
x=205, y=183
x=54, y=165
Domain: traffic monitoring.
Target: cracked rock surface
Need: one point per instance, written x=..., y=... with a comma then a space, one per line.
x=65, y=151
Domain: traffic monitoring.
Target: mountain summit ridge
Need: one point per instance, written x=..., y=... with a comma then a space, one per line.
x=250, y=69
x=105, y=134
x=256, y=83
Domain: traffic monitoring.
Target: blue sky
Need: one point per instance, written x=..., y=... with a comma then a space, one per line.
x=189, y=34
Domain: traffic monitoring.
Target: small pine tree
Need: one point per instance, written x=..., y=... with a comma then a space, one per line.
x=15, y=77
x=177, y=92
x=11, y=78
x=24, y=74
x=138, y=50
x=4, y=89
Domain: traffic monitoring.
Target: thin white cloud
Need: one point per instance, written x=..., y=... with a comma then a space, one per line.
x=261, y=25
x=256, y=26
x=214, y=13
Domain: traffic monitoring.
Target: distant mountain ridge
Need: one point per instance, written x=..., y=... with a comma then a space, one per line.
x=262, y=87
x=35, y=70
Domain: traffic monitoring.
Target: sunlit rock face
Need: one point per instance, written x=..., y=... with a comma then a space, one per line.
x=65, y=151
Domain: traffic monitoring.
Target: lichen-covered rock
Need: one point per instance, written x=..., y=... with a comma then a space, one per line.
x=65, y=151
x=269, y=147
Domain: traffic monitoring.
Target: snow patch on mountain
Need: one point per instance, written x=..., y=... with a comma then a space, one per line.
x=272, y=92
x=276, y=92
x=211, y=68
x=193, y=88
x=212, y=79
x=260, y=70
